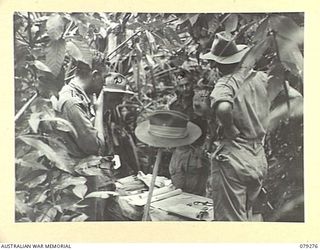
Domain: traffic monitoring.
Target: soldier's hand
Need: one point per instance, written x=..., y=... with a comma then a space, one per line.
x=98, y=102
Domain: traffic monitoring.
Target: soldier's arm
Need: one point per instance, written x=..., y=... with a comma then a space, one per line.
x=222, y=98
x=98, y=121
x=88, y=138
x=225, y=116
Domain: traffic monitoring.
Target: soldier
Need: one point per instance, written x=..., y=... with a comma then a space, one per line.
x=75, y=106
x=118, y=123
x=242, y=105
x=188, y=166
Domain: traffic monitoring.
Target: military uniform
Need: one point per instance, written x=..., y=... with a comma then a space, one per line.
x=75, y=106
x=188, y=165
x=238, y=168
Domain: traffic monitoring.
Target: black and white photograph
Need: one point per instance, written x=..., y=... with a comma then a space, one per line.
x=123, y=116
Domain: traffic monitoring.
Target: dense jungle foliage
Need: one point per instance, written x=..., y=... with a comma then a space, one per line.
x=148, y=49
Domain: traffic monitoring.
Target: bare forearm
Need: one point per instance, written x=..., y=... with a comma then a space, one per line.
x=98, y=124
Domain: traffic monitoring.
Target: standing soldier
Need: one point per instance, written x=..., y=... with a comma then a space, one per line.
x=75, y=106
x=242, y=104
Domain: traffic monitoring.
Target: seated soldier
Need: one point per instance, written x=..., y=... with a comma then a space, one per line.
x=188, y=166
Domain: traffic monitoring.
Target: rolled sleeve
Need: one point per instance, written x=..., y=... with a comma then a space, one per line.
x=224, y=91
x=87, y=139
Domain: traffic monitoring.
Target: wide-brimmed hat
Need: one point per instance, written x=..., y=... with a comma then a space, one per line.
x=225, y=51
x=168, y=129
x=116, y=83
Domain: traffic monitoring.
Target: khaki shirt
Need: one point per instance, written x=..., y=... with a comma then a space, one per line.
x=250, y=100
x=75, y=106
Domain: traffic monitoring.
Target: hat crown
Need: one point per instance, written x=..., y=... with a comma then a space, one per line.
x=222, y=46
x=115, y=81
x=169, y=119
x=168, y=124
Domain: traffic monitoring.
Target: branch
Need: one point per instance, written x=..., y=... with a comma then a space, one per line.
x=24, y=39
x=123, y=43
x=137, y=65
x=29, y=30
x=25, y=106
x=152, y=78
x=165, y=71
x=172, y=20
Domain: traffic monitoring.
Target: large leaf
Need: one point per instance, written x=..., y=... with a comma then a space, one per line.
x=193, y=18
x=28, y=175
x=213, y=24
x=102, y=194
x=68, y=200
x=80, y=190
x=287, y=28
x=62, y=124
x=150, y=37
x=34, y=121
x=38, y=196
x=281, y=113
x=55, y=26
x=80, y=218
x=262, y=30
x=290, y=56
x=36, y=181
x=55, y=56
x=67, y=180
x=60, y=158
x=80, y=51
x=32, y=164
x=90, y=166
x=231, y=23
x=42, y=105
x=47, y=115
x=20, y=203
x=47, y=215
x=60, y=147
x=48, y=84
x=255, y=53
x=41, y=66
x=89, y=170
x=65, y=218
x=275, y=81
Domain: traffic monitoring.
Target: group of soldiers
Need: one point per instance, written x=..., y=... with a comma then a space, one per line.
x=227, y=162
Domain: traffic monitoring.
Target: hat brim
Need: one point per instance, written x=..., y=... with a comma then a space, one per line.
x=117, y=91
x=141, y=131
x=235, y=58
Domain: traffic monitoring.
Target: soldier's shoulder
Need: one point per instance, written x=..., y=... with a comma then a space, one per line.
x=68, y=96
x=68, y=92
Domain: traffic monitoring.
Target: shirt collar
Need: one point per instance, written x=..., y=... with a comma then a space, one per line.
x=80, y=91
